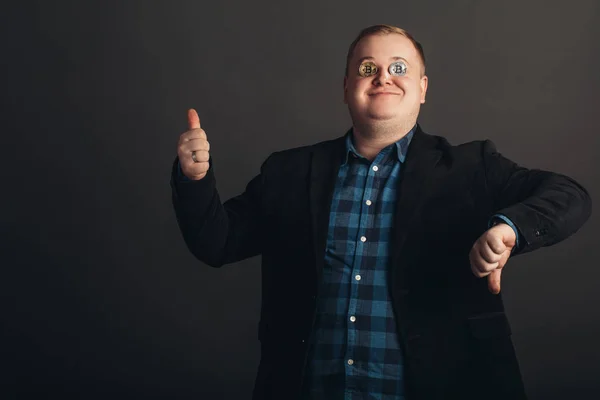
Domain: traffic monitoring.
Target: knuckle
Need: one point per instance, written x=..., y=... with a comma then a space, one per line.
x=195, y=133
x=199, y=133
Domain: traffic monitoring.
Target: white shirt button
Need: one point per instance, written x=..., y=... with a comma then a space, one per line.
x=357, y=277
x=350, y=361
x=368, y=202
x=375, y=168
x=353, y=318
x=363, y=239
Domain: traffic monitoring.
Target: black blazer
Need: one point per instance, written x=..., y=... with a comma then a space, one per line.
x=454, y=332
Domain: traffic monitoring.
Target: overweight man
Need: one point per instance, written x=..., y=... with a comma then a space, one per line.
x=382, y=249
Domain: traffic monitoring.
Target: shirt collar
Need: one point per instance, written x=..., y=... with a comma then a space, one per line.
x=401, y=145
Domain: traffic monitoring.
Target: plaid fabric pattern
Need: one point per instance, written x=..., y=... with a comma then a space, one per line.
x=355, y=353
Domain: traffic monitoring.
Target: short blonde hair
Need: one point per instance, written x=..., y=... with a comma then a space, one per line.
x=384, y=30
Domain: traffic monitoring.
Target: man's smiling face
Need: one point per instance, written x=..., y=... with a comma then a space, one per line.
x=384, y=96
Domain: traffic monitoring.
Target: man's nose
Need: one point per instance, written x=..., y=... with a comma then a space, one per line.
x=383, y=76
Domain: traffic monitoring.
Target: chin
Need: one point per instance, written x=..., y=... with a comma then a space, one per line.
x=382, y=115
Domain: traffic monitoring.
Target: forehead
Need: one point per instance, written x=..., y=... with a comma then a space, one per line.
x=384, y=47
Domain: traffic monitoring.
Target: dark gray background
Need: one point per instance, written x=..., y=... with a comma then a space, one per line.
x=102, y=298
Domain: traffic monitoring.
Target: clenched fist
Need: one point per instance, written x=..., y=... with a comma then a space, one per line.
x=491, y=252
x=193, y=148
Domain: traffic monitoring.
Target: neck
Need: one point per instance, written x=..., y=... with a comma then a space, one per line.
x=370, y=140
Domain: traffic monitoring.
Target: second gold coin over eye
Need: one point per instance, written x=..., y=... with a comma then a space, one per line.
x=367, y=69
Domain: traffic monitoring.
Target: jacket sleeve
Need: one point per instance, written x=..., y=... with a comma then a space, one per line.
x=546, y=207
x=217, y=233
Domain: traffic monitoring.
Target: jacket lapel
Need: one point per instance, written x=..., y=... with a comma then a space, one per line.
x=417, y=176
x=325, y=164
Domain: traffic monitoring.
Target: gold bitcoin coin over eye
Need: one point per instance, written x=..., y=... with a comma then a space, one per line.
x=397, y=68
x=367, y=69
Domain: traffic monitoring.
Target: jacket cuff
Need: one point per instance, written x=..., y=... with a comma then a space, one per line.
x=499, y=218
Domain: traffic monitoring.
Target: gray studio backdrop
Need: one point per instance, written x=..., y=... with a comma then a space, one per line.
x=102, y=298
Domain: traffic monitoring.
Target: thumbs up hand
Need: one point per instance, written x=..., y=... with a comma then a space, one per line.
x=193, y=148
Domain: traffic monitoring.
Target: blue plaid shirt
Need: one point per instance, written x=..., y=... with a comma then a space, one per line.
x=355, y=350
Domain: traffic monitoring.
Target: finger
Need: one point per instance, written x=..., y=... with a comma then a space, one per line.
x=199, y=167
x=487, y=254
x=193, y=119
x=186, y=148
x=475, y=270
x=496, y=244
x=198, y=171
x=201, y=156
x=472, y=261
x=476, y=261
x=197, y=133
x=479, y=266
x=504, y=258
x=494, y=281
x=197, y=144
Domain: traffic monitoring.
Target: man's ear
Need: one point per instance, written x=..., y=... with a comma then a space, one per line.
x=423, y=83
